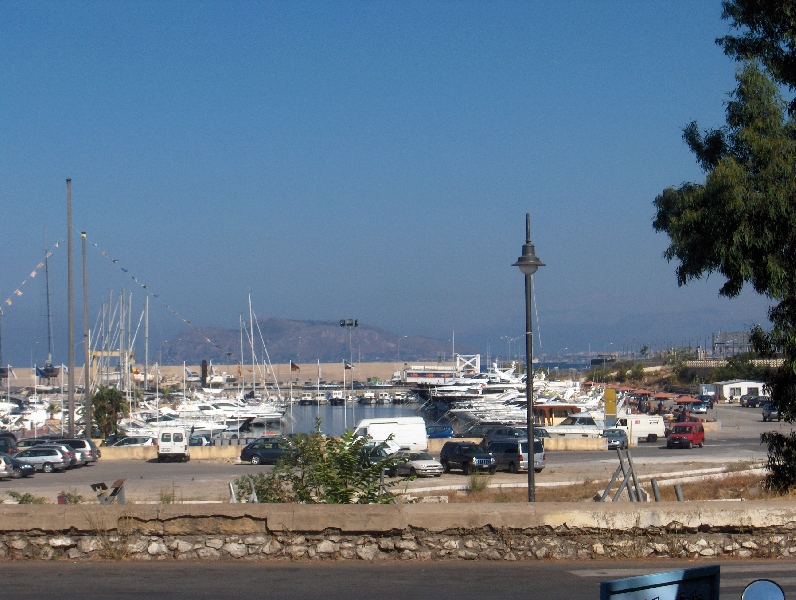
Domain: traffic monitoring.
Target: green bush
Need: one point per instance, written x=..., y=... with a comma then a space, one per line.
x=321, y=470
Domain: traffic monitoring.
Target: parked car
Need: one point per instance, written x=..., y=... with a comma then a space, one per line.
x=173, y=444
x=686, y=435
x=752, y=400
x=198, y=440
x=770, y=412
x=8, y=442
x=617, y=438
x=500, y=434
x=76, y=457
x=16, y=468
x=112, y=439
x=265, y=450
x=439, y=431
x=512, y=455
x=466, y=456
x=540, y=432
x=475, y=432
x=86, y=447
x=698, y=408
x=135, y=440
x=6, y=468
x=45, y=458
x=419, y=464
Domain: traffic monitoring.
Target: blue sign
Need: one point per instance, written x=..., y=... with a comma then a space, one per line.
x=689, y=584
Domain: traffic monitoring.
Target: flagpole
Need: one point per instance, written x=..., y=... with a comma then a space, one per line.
x=345, y=404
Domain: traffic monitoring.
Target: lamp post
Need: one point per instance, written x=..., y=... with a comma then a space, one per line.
x=528, y=264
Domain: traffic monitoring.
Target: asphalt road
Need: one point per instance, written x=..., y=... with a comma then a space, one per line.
x=357, y=580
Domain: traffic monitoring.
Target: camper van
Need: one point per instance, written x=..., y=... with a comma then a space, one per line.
x=173, y=444
x=408, y=432
x=646, y=428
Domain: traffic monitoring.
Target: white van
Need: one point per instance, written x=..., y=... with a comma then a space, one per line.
x=173, y=444
x=641, y=427
x=408, y=432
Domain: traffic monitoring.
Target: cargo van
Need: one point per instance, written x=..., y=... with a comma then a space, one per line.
x=639, y=428
x=173, y=444
x=408, y=432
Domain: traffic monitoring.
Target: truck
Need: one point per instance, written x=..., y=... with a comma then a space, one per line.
x=408, y=432
x=641, y=427
x=173, y=444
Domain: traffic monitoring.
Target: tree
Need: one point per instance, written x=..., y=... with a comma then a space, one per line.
x=741, y=222
x=107, y=406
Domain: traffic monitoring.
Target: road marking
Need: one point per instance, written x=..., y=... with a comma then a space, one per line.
x=761, y=570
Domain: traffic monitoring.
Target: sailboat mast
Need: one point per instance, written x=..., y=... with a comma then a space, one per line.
x=146, y=343
x=251, y=338
x=47, y=292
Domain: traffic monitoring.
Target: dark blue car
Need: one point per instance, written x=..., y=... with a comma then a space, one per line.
x=439, y=431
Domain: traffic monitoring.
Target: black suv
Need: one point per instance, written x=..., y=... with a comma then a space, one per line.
x=466, y=456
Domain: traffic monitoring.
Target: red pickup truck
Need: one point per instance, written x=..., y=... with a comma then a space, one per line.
x=686, y=435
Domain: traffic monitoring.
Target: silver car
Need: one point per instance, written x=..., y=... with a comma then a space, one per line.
x=83, y=446
x=415, y=464
x=45, y=458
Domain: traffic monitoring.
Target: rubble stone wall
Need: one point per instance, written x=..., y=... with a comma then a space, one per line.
x=405, y=532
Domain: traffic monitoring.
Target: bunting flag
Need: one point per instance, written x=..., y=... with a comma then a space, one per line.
x=294, y=366
x=145, y=287
x=33, y=273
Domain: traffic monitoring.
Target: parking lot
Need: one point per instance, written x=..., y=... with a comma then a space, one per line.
x=208, y=480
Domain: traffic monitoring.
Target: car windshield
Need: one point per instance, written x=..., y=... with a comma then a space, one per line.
x=682, y=429
x=471, y=450
x=420, y=456
x=612, y=432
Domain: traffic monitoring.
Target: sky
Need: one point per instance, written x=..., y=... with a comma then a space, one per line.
x=369, y=160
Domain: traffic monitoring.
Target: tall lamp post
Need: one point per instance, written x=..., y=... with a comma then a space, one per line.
x=528, y=264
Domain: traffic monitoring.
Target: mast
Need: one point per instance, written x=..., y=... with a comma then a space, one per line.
x=251, y=339
x=242, y=379
x=86, y=348
x=146, y=344
x=47, y=292
x=71, y=293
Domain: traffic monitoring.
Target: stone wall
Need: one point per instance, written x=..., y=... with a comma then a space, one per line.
x=418, y=532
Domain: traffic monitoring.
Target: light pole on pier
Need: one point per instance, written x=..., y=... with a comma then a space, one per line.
x=529, y=263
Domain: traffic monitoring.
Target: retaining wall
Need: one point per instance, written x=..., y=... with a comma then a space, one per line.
x=408, y=531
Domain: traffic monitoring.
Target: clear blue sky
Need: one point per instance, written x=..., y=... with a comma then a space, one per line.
x=360, y=159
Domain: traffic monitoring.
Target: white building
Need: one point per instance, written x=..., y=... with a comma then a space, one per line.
x=736, y=388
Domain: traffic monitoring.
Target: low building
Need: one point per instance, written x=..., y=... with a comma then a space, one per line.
x=736, y=388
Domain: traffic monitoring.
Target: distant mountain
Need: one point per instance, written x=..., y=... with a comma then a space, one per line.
x=304, y=342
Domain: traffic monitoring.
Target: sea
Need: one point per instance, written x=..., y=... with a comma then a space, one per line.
x=334, y=420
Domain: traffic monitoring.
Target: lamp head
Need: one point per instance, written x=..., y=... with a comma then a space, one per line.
x=528, y=263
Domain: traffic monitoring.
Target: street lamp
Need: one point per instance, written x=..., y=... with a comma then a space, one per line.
x=528, y=264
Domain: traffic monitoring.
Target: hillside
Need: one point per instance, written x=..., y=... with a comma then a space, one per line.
x=304, y=341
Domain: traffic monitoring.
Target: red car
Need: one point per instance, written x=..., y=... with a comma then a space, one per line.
x=686, y=435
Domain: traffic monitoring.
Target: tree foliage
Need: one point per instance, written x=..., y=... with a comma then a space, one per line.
x=741, y=222
x=321, y=470
x=107, y=407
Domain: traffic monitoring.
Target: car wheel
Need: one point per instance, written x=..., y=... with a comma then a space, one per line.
x=16, y=473
x=466, y=468
x=437, y=474
x=764, y=418
x=492, y=470
x=652, y=438
x=160, y=458
x=445, y=467
x=256, y=460
x=186, y=458
x=412, y=472
x=47, y=468
x=690, y=445
x=512, y=468
x=391, y=472
x=701, y=444
x=537, y=470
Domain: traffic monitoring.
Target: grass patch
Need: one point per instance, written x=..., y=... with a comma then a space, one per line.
x=167, y=497
x=114, y=544
x=479, y=482
x=26, y=498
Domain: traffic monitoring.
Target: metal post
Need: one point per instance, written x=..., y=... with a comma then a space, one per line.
x=678, y=491
x=86, y=347
x=71, y=318
x=529, y=382
x=655, y=490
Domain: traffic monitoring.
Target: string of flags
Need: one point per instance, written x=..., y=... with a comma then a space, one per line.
x=18, y=292
x=145, y=287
